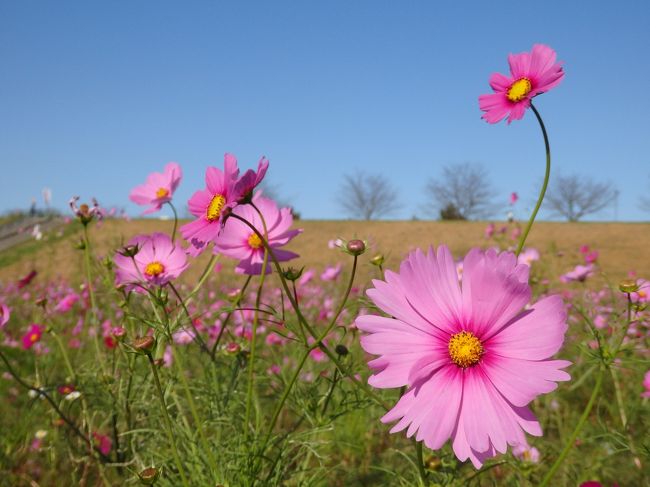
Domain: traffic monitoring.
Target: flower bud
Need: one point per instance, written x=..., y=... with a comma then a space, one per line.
x=144, y=344
x=80, y=245
x=356, y=247
x=159, y=362
x=628, y=286
x=118, y=332
x=149, y=476
x=129, y=250
x=378, y=260
x=232, y=348
x=432, y=463
x=341, y=350
x=292, y=274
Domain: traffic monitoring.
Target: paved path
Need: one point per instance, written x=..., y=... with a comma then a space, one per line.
x=21, y=230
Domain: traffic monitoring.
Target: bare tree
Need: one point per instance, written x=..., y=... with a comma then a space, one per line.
x=644, y=203
x=462, y=192
x=367, y=196
x=575, y=196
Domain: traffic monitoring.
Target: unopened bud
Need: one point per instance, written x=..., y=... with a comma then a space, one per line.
x=232, y=348
x=356, y=246
x=377, y=260
x=341, y=350
x=292, y=274
x=42, y=302
x=129, y=250
x=144, y=344
x=628, y=286
x=80, y=245
x=159, y=362
x=432, y=463
x=149, y=476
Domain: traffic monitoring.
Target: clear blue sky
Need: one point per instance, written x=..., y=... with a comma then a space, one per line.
x=95, y=95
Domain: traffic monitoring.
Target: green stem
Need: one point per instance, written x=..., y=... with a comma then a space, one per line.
x=175, y=220
x=168, y=422
x=542, y=192
x=227, y=319
x=91, y=294
x=572, y=439
x=195, y=414
x=419, y=458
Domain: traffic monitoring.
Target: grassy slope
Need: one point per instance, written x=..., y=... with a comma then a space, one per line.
x=622, y=246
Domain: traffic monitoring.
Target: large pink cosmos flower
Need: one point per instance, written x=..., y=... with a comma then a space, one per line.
x=209, y=205
x=158, y=189
x=157, y=262
x=531, y=73
x=471, y=357
x=239, y=242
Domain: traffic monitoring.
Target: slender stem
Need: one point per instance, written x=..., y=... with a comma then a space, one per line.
x=227, y=319
x=572, y=439
x=168, y=422
x=258, y=299
x=195, y=414
x=58, y=411
x=197, y=336
x=420, y=461
x=175, y=220
x=309, y=328
x=542, y=192
x=91, y=294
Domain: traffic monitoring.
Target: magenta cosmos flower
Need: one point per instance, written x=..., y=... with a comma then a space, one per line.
x=531, y=73
x=239, y=241
x=33, y=336
x=157, y=262
x=158, y=189
x=5, y=313
x=471, y=356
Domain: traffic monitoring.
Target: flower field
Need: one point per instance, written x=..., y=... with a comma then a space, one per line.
x=246, y=347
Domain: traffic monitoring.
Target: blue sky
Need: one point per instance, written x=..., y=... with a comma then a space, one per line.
x=95, y=95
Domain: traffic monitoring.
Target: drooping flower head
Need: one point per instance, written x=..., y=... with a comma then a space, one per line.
x=84, y=212
x=239, y=241
x=157, y=262
x=531, y=73
x=33, y=336
x=210, y=205
x=158, y=188
x=250, y=180
x=471, y=356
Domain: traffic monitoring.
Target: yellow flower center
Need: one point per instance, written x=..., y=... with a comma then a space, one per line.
x=519, y=89
x=642, y=294
x=154, y=269
x=254, y=241
x=215, y=207
x=33, y=337
x=465, y=349
x=162, y=193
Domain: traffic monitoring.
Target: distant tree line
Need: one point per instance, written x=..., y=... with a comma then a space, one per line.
x=464, y=192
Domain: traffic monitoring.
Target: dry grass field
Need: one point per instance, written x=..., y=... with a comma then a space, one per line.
x=623, y=246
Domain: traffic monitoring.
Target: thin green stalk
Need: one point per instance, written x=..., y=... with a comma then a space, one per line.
x=168, y=422
x=258, y=299
x=175, y=220
x=91, y=294
x=195, y=414
x=420, y=461
x=227, y=319
x=572, y=439
x=542, y=192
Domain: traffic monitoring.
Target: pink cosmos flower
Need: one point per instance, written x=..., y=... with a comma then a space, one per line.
x=526, y=453
x=579, y=274
x=331, y=273
x=514, y=197
x=528, y=256
x=471, y=357
x=33, y=336
x=158, y=189
x=238, y=241
x=103, y=443
x=250, y=180
x=489, y=230
x=642, y=295
x=5, y=313
x=646, y=384
x=531, y=73
x=157, y=262
x=66, y=303
x=210, y=204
